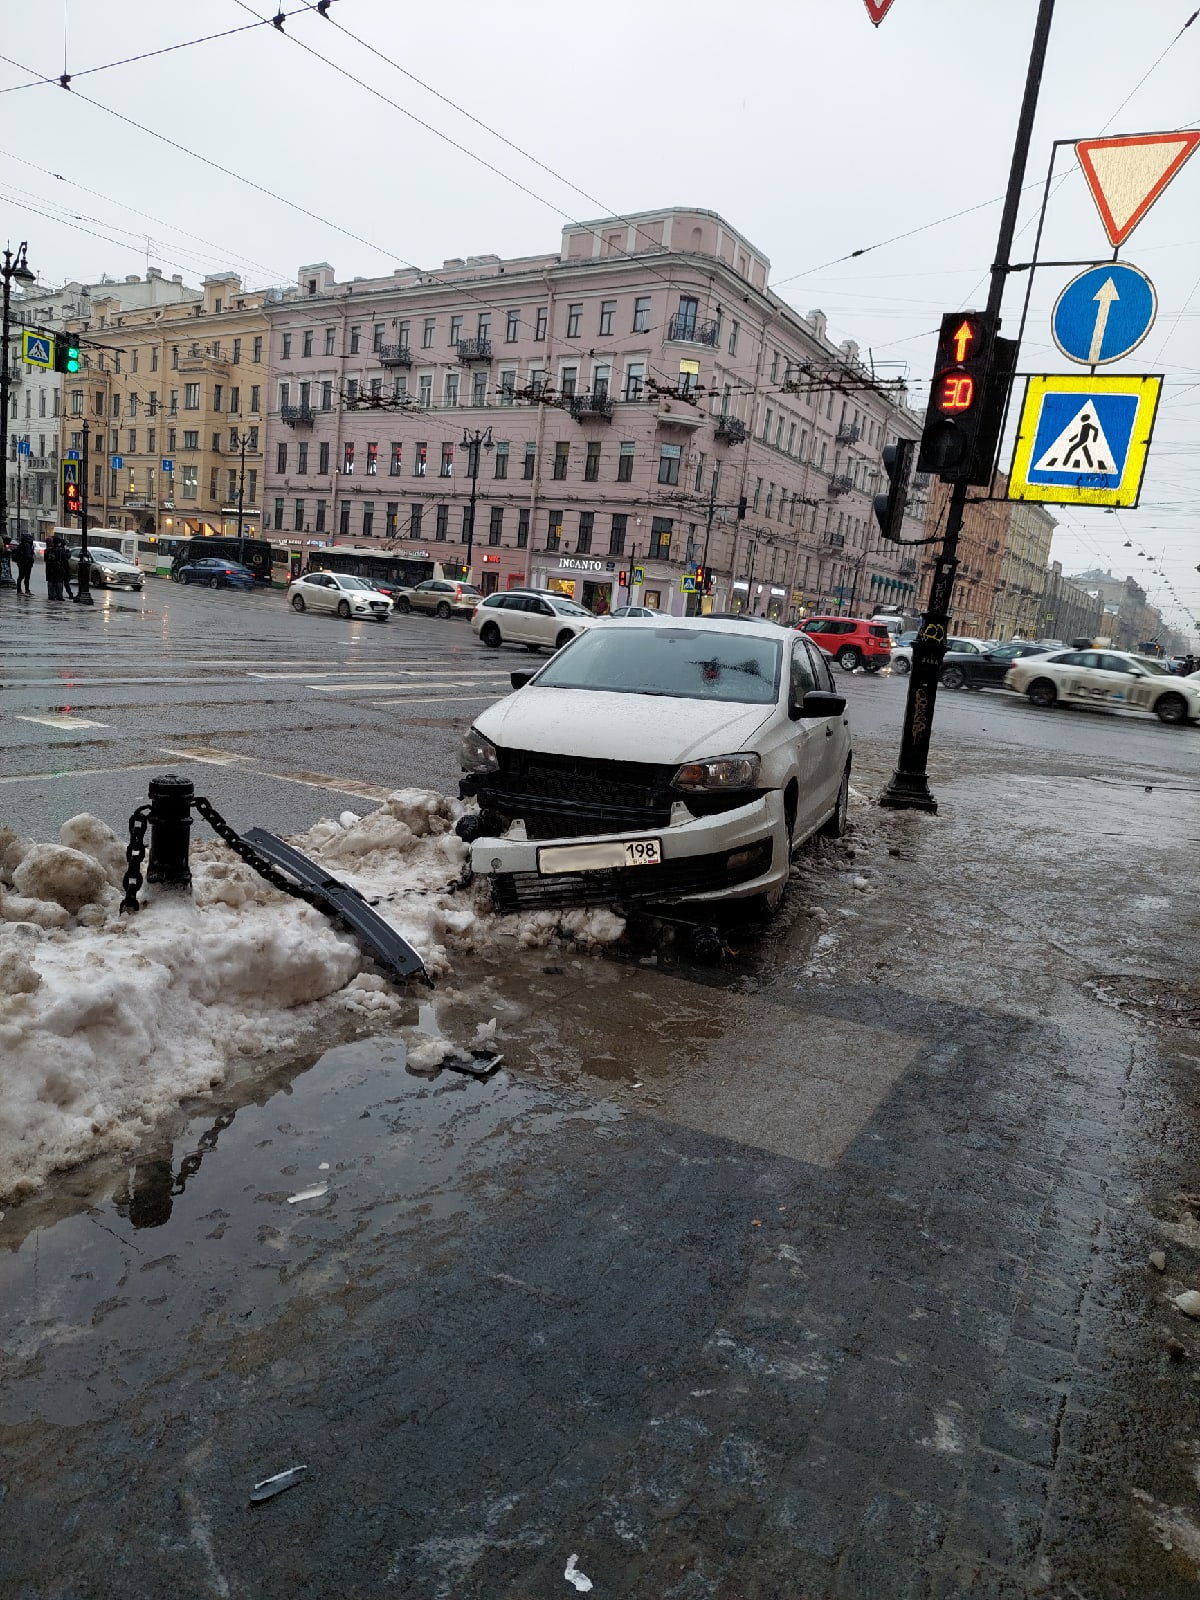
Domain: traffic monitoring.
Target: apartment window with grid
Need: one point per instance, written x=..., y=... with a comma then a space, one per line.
x=171, y=438
x=305, y=396
x=415, y=515
x=641, y=314
x=281, y=453
x=447, y=467
x=574, y=320
x=530, y=463
x=252, y=484
x=368, y=518
x=344, y=518
x=327, y=395
x=298, y=517
x=319, y=519
x=496, y=525
x=455, y=330
x=539, y=326
x=330, y=340
x=635, y=377
x=522, y=527
x=669, y=456
x=174, y=357
x=347, y=459
x=131, y=442
x=191, y=397
x=660, y=538
x=377, y=338
x=323, y=458
x=285, y=395
x=466, y=532
x=537, y=379
x=770, y=500
x=393, y=518
x=512, y=330
x=625, y=462
x=277, y=519
x=617, y=532
x=428, y=333
x=151, y=440
x=372, y=459
x=591, y=465
x=501, y=460
x=302, y=459
x=479, y=389
x=255, y=395
x=355, y=340
x=601, y=378
x=554, y=530
x=76, y=402
x=351, y=389
x=452, y=388
x=767, y=424
x=608, y=310
x=425, y=389
x=397, y=459
x=286, y=350
x=400, y=387
x=568, y=381
x=758, y=483
x=403, y=333
x=442, y=524
x=308, y=339
x=508, y=385
x=420, y=459
x=562, y=454
x=583, y=542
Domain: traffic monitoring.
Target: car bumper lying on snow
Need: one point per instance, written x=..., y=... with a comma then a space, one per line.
x=729, y=856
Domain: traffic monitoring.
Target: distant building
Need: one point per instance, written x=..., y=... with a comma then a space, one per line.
x=1068, y=611
x=635, y=386
x=1024, y=562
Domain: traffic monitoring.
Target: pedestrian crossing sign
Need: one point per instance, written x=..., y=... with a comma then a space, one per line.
x=1084, y=441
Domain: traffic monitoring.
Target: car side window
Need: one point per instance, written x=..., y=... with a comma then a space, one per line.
x=1091, y=658
x=821, y=673
x=1075, y=658
x=802, y=679
x=542, y=609
x=1116, y=664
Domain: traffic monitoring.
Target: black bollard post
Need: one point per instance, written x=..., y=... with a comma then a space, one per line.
x=170, y=830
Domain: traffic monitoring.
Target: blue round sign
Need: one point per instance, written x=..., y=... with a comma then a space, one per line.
x=1104, y=313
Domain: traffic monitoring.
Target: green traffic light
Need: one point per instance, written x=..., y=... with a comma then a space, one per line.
x=72, y=358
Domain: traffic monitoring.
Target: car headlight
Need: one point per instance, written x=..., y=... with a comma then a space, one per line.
x=478, y=754
x=722, y=772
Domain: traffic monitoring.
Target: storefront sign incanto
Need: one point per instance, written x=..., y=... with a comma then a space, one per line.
x=582, y=564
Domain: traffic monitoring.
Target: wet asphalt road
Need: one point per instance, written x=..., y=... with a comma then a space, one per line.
x=819, y=1273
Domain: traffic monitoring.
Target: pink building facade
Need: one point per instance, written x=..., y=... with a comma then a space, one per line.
x=643, y=405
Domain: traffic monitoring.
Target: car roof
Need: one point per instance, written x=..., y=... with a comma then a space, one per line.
x=728, y=623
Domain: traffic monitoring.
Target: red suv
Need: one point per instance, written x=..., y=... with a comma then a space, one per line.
x=851, y=641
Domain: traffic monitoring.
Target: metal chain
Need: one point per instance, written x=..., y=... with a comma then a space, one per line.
x=247, y=852
x=135, y=854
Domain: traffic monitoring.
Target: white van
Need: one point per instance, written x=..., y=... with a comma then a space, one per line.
x=116, y=539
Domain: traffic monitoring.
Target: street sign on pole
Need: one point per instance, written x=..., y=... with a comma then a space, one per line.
x=37, y=349
x=878, y=9
x=1126, y=174
x=1083, y=441
x=639, y=575
x=116, y=463
x=168, y=464
x=68, y=473
x=687, y=583
x=23, y=448
x=74, y=455
x=1104, y=313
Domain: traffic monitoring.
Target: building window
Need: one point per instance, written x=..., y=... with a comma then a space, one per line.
x=319, y=519
x=235, y=401
x=591, y=466
x=635, y=377
x=608, y=310
x=442, y=525
x=767, y=426
x=327, y=395
x=668, y=463
x=734, y=329
x=601, y=377
x=393, y=518
x=625, y=463
x=191, y=397
x=323, y=457
x=258, y=344
x=537, y=380
x=455, y=330
x=452, y=388
x=641, y=314
x=286, y=351
x=467, y=529
x=308, y=338
x=171, y=437
x=281, y=454
x=372, y=459
x=513, y=329
x=554, y=530
x=76, y=402
x=285, y=395
x=151, y=440
x=348, y=459
x=616, y=534
x=522, y=527
x=252, y=485
x=397, y=460
x=344, y=518
x=174, y=357
x=420, y=460
x=660, y=538
x=428, y=333
x=277, y=520
x=479, y=389
x=191, y=438
x=302, y=459
x=574, y=320
x=562, y=452
x=446, y=469
x=530, y=463
x=425, y=389
x=587, y=521
x=700, y=461
x=352, y=390
x=758, y=483
x=355, y=340
x=508, y=384
x=298, y=517
x=131, y=442
x=377, y=337
x=496, y=525
x=191, y=484
x=568, y=381
x=414, y=521
x=770, y=499
x=255, y=393
x=539, y=327
x=368, y=522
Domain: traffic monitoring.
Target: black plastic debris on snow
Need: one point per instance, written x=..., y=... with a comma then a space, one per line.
x=268, y=1488
x=344, y=903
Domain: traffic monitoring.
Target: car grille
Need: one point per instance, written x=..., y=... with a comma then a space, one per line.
x=673, y=880
x=571, y=796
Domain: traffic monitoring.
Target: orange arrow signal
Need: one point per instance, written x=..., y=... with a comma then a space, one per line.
x=963, y=336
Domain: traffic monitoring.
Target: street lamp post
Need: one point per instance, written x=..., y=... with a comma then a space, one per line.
x=13, y=266
x=243, y=441
x=473, y=442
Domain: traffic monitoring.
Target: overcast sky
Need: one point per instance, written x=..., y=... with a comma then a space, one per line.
x=814, y=133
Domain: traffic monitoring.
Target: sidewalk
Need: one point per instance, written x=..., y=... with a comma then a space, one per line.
x=824, y=1274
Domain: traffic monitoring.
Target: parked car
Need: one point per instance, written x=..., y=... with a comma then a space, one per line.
x=340, y=592
x=852, y=641
x=1113, y=679
x=902, y=654
x=438, y=597
x=972, y=669
x=532, y=617
x=109, y=569
x=216, y=573
x=678, y=763
x=634, y=611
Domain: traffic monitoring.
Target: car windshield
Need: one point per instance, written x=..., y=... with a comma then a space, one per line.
x=100, y=553
x=354, y=583
x=682, y=663
x=567, y=608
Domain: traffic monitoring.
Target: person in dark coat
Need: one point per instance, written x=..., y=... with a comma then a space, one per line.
x=25, y=555
x=56, y=567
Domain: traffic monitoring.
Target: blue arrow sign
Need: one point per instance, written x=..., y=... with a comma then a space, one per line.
x=168, y=464
x=23, y=447
x=1104, y=313
x=74, y=455
x=116, y=463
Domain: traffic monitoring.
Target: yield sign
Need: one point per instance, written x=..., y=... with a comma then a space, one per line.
x=1127, y=174
x=878, y=9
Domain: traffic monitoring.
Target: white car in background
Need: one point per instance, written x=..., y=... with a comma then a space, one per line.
x=1112, y=679
x=340, y=592
x=666, y=762
x=532, y=617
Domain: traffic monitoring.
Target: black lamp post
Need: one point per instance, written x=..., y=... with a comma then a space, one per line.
x=13, y=267
x=243, y=441
x=473, y=442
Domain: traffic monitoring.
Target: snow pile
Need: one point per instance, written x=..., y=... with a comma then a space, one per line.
x=108, y=1022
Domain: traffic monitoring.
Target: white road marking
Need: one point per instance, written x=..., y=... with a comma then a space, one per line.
x=434, y=700
x=210, y=758
x=55, y=719
x=83, y=772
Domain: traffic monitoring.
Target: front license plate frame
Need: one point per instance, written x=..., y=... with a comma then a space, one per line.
x=604, y=855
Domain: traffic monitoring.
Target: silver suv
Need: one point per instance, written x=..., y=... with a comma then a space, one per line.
x=534, y=618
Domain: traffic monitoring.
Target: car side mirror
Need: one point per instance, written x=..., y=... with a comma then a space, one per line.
x=519, y=679
x=817, y=703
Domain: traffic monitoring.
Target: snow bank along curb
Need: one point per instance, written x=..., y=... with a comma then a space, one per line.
x=107, y=1022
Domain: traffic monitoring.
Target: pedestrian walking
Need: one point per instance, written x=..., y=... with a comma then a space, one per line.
x=57, y=567
x=25, y=555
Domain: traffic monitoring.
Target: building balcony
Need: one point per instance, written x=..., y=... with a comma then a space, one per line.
x=394, y=355
x=840, y=483
x=835, y=540
x=849, y=433
x=591, y=407
x=296, y=416
x=685, y=418
x=687, y=330
x=474, y=350
x=137, y=502
x=731, y=430
x=908, y=569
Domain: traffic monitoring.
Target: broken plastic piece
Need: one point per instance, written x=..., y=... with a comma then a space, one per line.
x=476, y=1063
x=313, y=1192
x=269, y=1487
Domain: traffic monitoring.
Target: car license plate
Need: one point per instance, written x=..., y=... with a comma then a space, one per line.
x=597, y=857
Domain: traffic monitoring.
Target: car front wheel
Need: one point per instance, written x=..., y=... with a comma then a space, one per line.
x=490, y=634
x=1171, y=708
x=214, y=583
x=403, y=605
x=297, y=602
x=184, y=579
x=564, y=637
x=835, y=826
x=902, y=666
x=848, y=658
x=443, y=610
x=1042, y=693
x=343, y=609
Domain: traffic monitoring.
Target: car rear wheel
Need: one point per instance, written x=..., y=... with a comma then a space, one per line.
x=443, y=610
x=184, y=578
x=403, y=605
x=835, y=826
x=848, y=658
x=1171, y=708
x=564, y=637
x=953, y=677
x=1042, y=693
x=297, y=602
x=902, y=666
x=214, y=583
x=490, y=634
x=343, y=608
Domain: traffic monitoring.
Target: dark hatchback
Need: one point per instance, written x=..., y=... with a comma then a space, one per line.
x=986, y=668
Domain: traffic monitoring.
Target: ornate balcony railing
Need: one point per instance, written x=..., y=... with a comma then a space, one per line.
x=849, y=433
x=588, y=407
x=692, y=331
x=837, y=540
x=840, y=483
x=296, y=416
x=474, y=349
x=395, y=355
x=731, y=429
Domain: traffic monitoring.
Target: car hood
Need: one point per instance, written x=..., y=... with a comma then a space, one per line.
x=622, y=727
x=116, y=566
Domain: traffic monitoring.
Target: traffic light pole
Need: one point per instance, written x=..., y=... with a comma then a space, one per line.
x=83, y=575
x=908, y=787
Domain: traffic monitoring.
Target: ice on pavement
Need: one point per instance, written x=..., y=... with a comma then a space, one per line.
x=107, y=1022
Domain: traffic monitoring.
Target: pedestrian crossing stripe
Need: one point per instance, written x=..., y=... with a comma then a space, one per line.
x=1084, y=440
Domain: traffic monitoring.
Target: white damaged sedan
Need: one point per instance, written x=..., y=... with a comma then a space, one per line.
x=679, y=760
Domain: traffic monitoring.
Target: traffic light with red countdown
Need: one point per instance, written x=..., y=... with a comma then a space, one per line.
x=966, y=398
x=72, y=504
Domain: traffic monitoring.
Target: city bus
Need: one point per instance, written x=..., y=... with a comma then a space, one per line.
x=385, y=570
